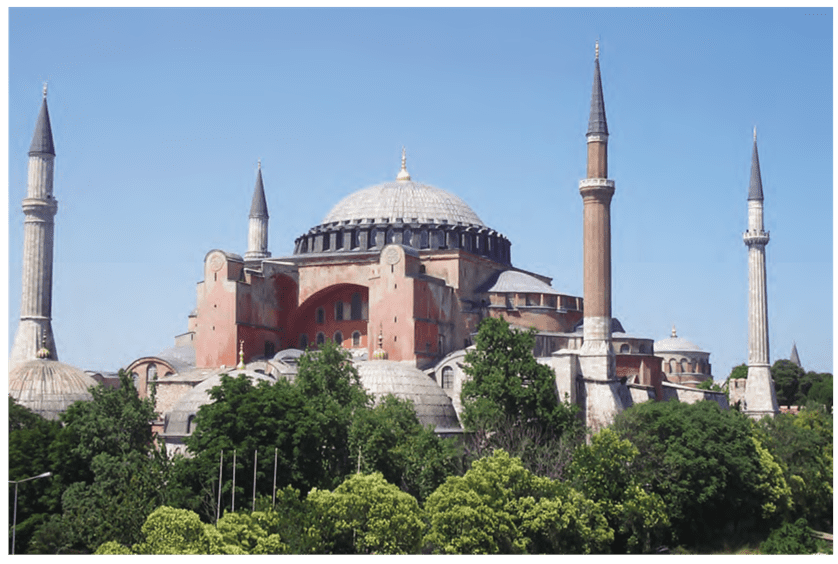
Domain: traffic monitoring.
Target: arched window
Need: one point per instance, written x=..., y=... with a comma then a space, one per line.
x=684, y=365
x=326, y=240
x=407, y=237
x=189, y=422
x=338, y=311
x=320, y=315
x=624, y=348
x=136, y=378
x=152, y=373
x=355, y=306
x=321, y=338
x=303, y=342
x=356, y=338
x=372, y=242
x=355, y=239
x=424, y=239
x=391, y=236
x=338, y=338
x=447, y=378
x=672, y=366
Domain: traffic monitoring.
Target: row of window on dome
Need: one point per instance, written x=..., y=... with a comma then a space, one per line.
x=320, y=339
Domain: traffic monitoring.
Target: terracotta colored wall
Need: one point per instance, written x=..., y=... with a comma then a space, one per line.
x=215, y=336
x=303, y=320
x=391, y=303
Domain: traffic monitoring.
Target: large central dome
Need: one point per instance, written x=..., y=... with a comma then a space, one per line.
x=403, y=200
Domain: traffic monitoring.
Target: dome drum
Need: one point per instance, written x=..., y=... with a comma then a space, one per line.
x=342, y=237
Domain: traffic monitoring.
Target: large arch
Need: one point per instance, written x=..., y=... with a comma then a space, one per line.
x=305, y=319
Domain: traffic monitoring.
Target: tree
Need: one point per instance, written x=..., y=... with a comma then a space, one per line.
x=499, y=507
x=107, y=470
x=737, y=372
x=704, y=463
x=802, y=444
x=368, y=515
x=168, y=530
x=506, y=381
x=790, y=538
x=30, y=436
x=786, y=376
x=604, y=471
x=389, y=439
x=817, y=390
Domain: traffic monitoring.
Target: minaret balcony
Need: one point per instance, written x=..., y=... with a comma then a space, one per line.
x=756, y=238
x=594, y=186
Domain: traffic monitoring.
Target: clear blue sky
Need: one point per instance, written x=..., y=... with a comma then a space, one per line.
x=160, y=115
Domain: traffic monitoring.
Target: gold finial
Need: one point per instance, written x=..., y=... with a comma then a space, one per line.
x=43, y=353
x=380, y=353
x=674, y=334
x=240, y=365
x=45, y=90
x=597, y=49
x=403, y=174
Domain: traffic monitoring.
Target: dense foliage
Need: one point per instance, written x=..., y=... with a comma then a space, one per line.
x=499, y=507
x=707, y=466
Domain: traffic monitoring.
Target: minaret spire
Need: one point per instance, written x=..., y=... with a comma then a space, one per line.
x=39, y=208
x=257, y=233
x=760, y=396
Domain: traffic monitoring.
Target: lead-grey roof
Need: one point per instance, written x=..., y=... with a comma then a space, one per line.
x=259, y=207
x=403, y=200
x=42, y=140
x=755, y=187
x=597, y=123
x=794, y=357
x=48, y=387
x=517, y=282
x=432, y=404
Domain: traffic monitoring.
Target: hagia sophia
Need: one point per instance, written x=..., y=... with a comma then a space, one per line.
x=400, y=274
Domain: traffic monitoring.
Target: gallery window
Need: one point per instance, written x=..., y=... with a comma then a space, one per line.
x=320, y=315
x=356, y=339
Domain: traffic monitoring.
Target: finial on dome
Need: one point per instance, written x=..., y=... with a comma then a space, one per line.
x=240, y=365
x=403, y=174
x=43, y=352
x=674, y=334
x=596, y=50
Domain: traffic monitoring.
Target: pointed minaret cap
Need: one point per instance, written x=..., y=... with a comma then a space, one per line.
x=755, y=187
x=259, y=207
x=597, y=123
x=794, y=357
x=403, y=176
x=42, y=140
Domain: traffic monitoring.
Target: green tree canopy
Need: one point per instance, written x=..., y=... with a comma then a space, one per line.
x=368, y=515
x=604, y=471
x=705, y=464
x=787, y=376
x=389, y=439
x=499, y=507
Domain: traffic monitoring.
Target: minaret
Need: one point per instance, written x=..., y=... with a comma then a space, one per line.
x=760, y=397
x=257, y=232
x=794, y=357
x=596, y=191
x=39, y=207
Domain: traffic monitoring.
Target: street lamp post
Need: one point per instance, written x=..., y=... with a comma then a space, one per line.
x=14, y=518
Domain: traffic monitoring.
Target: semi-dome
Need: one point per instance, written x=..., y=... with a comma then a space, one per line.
x=433, y=406
x=48, y=387
x=403, y=201
x=676, y=344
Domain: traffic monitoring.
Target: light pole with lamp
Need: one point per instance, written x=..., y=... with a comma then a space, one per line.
x=14, y=518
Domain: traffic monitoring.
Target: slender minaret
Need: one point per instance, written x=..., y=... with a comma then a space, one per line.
x=760, y=397
x=257, y=232
x=39, y=207
x=596, y=191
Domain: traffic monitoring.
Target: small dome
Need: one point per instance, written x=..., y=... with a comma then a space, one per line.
x=433, y=406
x=48, y=387
x=676, y=344
x=178, y=418
x=516, y=281
x=405, y=200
